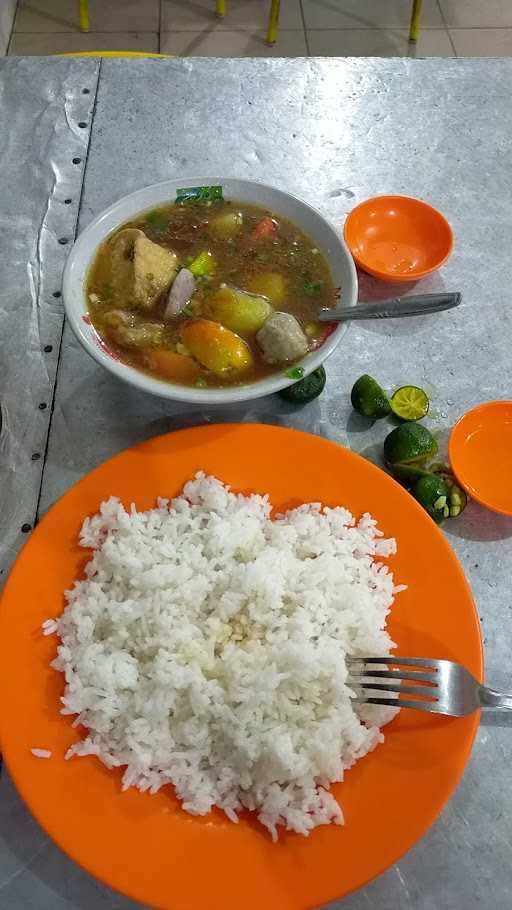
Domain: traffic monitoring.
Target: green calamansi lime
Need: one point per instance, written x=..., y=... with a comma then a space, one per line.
x=410, y=443
x=408, y=474
x=369, y=399
x=410, y=403
x=307, y=389
x=440, y=467
x=433, y=493
x=458, y=498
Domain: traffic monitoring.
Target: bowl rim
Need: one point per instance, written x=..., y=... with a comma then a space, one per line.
x=392, y=276
x=456, y=442
x=138, y=201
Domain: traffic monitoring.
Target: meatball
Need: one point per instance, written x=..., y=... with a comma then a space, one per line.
x=281, y=339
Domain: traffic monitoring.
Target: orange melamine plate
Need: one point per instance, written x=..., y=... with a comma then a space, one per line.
x=147, y=846
x=480, y=452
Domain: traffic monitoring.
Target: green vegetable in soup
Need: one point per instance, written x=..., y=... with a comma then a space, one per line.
x=199, y=194
x=242, y=313
x=295, y=373
x=312, y=288
x=157, y=220
x=204, y=264
x=226, y=226
x=307, y=389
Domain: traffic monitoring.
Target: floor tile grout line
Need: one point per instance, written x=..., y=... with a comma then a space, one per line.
x=306, y=36
x=341, y=28
x=13, y=30
x=443, y=18
x=452, y=42
x=424, y=28
x=376, y=28
x=92, y=31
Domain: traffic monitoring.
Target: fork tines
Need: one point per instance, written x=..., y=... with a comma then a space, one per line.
x=419, y=670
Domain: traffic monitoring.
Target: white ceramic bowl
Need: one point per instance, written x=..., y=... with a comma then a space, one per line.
x=328, y=241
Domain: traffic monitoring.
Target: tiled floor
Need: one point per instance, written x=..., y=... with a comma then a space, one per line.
x=475, y=28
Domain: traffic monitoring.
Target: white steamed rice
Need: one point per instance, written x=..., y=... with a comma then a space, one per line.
x=206, y=647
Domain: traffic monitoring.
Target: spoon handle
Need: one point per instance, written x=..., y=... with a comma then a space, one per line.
x=394, y=308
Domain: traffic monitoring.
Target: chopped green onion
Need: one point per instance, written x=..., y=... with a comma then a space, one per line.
x=202, y=264
x=157, y=220
x=295, y=373
x=199, y=194
x=312, y=288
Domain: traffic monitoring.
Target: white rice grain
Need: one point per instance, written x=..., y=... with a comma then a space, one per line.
x=49, y=626
x=206, y=648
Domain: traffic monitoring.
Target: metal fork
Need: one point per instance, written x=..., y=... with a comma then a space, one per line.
x=444, y=687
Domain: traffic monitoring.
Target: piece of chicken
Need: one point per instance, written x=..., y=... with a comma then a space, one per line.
x=139, y=269
x=121, y=249
x=281, y=339
x=127, y=330
x=154, y=269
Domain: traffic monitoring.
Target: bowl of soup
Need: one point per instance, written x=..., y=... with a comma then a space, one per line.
x=208, y=289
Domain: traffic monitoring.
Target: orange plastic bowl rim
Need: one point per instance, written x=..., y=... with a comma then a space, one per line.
x=398, y=238
x=480, y=452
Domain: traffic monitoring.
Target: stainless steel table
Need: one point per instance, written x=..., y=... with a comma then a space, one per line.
x=334, y=132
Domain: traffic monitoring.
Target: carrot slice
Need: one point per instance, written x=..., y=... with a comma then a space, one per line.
x=218, y=349
x=264, y=229
x=169, y=365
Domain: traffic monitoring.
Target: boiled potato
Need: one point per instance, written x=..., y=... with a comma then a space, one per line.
x=215, y=347
x=271, y=285
x=226, y=226
x=238, y=311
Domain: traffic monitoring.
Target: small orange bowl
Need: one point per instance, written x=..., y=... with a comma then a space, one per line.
x=480, y=452
x=398, y=238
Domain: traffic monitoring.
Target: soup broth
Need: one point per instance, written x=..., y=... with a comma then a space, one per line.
x=209, y=294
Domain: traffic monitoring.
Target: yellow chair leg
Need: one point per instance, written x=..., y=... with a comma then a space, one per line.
x=220, y=8
x=273, y=22
x=84, y=15
x=415, y=20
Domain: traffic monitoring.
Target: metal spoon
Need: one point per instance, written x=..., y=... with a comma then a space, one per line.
x=420, y=305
